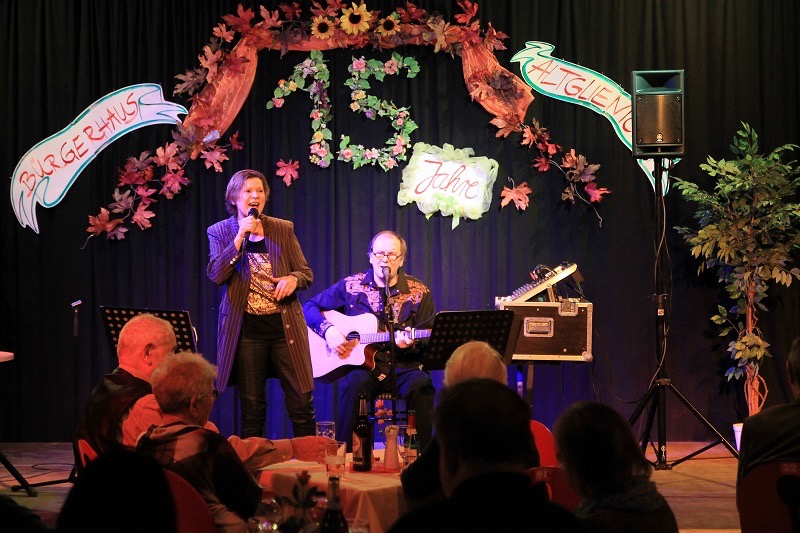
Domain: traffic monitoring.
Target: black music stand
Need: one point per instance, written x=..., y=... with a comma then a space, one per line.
x=451, y=329
x=114, y=318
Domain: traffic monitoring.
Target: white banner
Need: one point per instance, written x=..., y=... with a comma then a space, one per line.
x=47, y=171
x=574, y=84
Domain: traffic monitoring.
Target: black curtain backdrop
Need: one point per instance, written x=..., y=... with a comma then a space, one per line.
x=741, y=64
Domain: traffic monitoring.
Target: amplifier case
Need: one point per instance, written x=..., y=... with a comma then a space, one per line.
x=550, y=331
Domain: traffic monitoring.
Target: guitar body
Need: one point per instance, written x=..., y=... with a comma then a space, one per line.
x=327, y=366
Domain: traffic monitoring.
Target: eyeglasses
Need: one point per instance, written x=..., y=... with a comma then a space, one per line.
x=214, y=394
x=391, y=256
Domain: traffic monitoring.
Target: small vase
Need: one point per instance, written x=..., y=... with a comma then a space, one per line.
x=391, y=460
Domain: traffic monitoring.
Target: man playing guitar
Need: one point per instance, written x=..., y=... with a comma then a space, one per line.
x=361, y=296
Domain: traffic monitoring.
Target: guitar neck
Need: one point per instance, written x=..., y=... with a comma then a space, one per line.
x=383, y=336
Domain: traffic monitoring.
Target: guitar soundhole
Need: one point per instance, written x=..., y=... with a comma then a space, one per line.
x=353, y=336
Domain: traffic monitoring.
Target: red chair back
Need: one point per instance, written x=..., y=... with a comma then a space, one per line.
x=84, y=453
x=191, y=511
x=768, y=497
x=545, y=443
x=558, y=485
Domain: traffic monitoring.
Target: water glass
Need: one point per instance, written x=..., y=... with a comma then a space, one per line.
x=326, y=428
x=335, y=455
x=402, y=436
x=358, y=525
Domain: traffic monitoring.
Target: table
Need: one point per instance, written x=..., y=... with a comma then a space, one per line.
x=376, y=496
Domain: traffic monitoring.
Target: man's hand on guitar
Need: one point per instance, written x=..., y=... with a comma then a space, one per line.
x=403, y=338
x=337, y=342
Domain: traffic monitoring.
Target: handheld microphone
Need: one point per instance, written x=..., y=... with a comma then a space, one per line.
x=252, y=213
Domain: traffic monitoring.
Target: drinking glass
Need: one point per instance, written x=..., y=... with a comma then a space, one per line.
x=335, y=455
x=402, y=436
x=266, y=518
x=326, y=428
x=358, y=525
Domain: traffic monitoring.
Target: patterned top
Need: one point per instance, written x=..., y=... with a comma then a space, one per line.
x=358, y=294
x=261, y=297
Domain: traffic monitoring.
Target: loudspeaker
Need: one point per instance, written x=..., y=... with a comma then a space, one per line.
x=658, y=114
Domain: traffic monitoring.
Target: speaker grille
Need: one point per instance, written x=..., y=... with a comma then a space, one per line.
x=659, y=120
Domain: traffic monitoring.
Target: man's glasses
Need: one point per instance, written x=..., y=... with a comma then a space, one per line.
x=214, y=394
x=391, y=256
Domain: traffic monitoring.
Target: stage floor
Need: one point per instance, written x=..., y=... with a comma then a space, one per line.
x=701, y=490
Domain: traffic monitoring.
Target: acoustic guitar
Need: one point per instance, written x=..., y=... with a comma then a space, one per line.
x=361, y=332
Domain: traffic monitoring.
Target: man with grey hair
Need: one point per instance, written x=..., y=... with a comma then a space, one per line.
x=183, y=386
x=365, y=293
x=122, y=406
x=774, y=433
x=144, y=342
x=485, y=447
x=471, y=360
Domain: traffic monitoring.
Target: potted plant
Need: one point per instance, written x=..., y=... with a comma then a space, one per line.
x=749, y=226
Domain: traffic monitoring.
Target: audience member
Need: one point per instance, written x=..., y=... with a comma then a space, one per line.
x=122, y=406
x=184, y=388
x=774, y=433
x=485, y=446
x=120, y=491
x=474, y=359
x=608, y=469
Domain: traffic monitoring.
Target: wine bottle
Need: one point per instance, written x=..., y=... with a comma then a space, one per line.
x=412, y=440
x=362, y=438
x=333, y=520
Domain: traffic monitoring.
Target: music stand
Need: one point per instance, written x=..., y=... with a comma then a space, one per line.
x=114, y=318
x=451, y=329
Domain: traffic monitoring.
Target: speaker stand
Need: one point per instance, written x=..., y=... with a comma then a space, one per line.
x=656, y=393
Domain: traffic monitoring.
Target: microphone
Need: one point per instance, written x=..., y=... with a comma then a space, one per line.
x=252, y=213
x=385, y=270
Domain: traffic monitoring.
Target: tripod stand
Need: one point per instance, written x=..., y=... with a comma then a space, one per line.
x=73, y=473
x=657, y=391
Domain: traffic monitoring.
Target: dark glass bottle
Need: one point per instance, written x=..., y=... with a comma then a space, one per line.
x=333, y=520
x=412, y=440
x=362, y=438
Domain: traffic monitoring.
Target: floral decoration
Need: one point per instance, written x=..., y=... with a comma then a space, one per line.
x=296, y=511
x=371, y=106
x=315, y=68
x=219, y=86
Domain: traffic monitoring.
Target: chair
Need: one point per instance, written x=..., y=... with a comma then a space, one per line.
x=191, y=510
x=768, y=498
x=84, y=453
x=558, y=485
x=545, y=443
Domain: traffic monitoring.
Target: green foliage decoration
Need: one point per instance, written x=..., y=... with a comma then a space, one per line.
x=748, y=229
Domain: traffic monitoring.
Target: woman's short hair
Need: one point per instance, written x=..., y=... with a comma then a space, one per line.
x=180, y=378
x=235, y=185
x=596, y=446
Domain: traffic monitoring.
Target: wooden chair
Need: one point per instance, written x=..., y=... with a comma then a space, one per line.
x=191, y=510
x=768, y=498
x=558, y=485
x=545, y=443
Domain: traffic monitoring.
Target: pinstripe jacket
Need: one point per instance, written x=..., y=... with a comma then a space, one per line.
x=225, y=267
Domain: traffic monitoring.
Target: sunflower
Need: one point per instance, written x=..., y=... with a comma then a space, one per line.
x=355, y=20
x=388, y=26
x=322, y=28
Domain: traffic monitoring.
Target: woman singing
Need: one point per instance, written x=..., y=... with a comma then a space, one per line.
x=259, y=261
